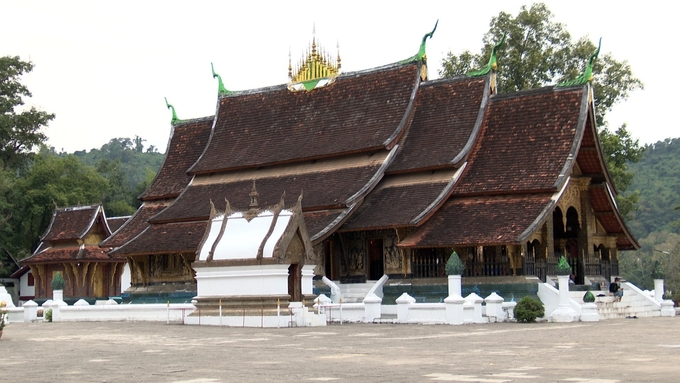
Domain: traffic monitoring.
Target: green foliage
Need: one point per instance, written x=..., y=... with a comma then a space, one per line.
x=563, y=267
x=50, y=181
x=657, y=270
x=454, y=266
x=539, y=52
x=58, y=281
x=588, y=297
x=48, y=315
x=657, y=182
x=621, y=149
x=19, y=130
x=528, y=309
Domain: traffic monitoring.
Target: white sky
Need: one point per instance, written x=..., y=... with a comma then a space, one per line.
x=104, y=67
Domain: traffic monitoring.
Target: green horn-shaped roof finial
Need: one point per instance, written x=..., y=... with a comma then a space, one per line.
x=587, y=75
x=421, y=52
x=221, y=90
x=174, y=115
x=492, y=65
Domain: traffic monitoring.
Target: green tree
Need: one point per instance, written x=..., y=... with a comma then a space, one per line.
x=20, y=131
x=51, y=181
x=119, y=199
x=539, y=51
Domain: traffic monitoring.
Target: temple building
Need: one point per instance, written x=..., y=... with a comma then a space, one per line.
x=396, y=172
x=71, y=246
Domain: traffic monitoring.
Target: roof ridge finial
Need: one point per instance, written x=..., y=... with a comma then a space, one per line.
x=421, y=52
x=587, y=75
x=221, y=90
x=491, y=65
x=174, y=115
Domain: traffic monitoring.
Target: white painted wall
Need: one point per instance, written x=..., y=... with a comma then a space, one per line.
x=24, y=289
x=125, y=278
x=227, y=281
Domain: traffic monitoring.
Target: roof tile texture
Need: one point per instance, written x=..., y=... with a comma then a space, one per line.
x=445, y=115
x=525, y=140
x=66, y=254
x=165, y=238
x=322, y=189
x=70, y=223
x=393, y=206
x=479, y=221
x=135, y=225
x=358, y=112
x=186, y=145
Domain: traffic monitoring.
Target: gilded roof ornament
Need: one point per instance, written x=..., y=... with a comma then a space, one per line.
x=587, y=75
x=492, y=64
x=421, y=52
x=316, y=68
x=221, y=90
x=174, y=120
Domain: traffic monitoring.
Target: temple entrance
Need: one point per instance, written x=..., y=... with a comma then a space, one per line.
x=294, y=282
x=375, y=259
x=574, y=261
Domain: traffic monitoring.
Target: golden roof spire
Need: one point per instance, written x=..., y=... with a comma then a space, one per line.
x=316, y=65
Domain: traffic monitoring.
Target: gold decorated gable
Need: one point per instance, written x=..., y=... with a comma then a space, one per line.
x=314, y=66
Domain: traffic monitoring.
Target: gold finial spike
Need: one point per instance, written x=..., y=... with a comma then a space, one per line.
x=338, y=60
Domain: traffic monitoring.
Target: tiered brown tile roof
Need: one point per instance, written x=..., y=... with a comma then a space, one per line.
x=166, y=238
x=321, y=190
x=484, y=220
x=525, y=141
x=393, y=206
x=187, y=141
x=134, y=225
x=445, y=118
x=361, y=111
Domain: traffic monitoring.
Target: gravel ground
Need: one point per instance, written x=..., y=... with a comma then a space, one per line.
x=624, y=350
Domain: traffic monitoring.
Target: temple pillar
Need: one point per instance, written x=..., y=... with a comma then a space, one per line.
x=585, y=234
x=549, y=237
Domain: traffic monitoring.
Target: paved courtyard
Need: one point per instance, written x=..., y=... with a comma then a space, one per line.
x=624, y=350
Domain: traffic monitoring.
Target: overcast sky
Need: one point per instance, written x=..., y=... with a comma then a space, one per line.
x=104, y=67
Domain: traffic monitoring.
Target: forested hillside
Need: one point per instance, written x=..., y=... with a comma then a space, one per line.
x=657, y=178
x=656, y=223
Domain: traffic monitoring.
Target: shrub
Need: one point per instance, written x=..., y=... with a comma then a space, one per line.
x=454, y=266
x=58, y=282
x=528, y=309
x=588, y=297
x=48, y=315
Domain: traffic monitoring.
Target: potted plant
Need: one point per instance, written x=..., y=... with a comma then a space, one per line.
x=3, y=316
x=454, y=269
x=58, y=287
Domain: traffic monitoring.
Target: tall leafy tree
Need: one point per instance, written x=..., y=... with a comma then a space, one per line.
x=51, y=181
x=539, y=51
x=20, y=130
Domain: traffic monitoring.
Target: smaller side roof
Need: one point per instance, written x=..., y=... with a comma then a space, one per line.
x=116, y=222
x=68, y=254
x=74, y=222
